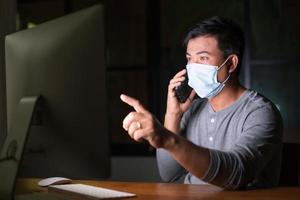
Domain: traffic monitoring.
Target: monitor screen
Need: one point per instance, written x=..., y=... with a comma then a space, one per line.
x=62, y=60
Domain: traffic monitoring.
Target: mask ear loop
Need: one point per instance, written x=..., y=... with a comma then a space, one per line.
x=222, y=65
x=226, y=79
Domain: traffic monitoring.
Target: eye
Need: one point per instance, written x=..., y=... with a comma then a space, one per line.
x=203, y=58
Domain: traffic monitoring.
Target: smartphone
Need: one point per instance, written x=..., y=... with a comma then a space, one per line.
x=183, y=91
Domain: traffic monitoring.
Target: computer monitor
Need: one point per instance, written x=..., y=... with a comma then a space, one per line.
x=62, y=60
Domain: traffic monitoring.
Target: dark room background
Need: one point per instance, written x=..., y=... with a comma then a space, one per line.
x=144, y=50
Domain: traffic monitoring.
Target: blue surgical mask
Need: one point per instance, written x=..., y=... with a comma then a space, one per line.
x=203, y=79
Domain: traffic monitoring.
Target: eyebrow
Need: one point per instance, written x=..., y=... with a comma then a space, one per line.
x=198, y=53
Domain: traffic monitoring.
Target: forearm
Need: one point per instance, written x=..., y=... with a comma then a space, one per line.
x=227, y=170
x=172, y=122
x=224, y=169
x=183, y=150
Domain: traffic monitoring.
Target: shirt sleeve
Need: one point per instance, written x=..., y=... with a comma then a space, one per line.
x=169, y=169
x=259, y=143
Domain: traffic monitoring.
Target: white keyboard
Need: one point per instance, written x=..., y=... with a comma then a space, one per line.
x=90, y=191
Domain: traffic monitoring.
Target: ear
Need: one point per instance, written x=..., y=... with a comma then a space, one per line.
x=234, y=60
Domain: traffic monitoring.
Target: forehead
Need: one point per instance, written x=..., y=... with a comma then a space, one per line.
x=203, y=43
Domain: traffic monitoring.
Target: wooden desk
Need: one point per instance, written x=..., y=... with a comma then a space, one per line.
x=164, y=191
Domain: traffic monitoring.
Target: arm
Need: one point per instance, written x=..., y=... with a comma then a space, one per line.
x=175, y=109
x=169, y=169
x=259, y=144
x=160, y=137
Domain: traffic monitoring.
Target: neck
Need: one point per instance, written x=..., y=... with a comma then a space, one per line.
x=230, y=93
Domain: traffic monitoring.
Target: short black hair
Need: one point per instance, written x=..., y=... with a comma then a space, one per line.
x=229, y=35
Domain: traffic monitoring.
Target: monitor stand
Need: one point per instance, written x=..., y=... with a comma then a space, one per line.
x=13, y=147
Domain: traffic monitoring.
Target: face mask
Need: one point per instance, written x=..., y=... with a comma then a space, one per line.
x=203, y=79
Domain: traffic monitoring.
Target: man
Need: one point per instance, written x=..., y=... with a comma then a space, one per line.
x=231, y=136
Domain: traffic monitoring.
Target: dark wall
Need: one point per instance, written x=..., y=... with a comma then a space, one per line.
x=7, y=25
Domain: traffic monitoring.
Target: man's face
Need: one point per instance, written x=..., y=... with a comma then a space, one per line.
x=205, y=50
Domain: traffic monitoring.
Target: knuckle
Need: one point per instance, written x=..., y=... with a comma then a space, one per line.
x=136, y=137
x=171, y=86
x=132, y=115
x=131, y=134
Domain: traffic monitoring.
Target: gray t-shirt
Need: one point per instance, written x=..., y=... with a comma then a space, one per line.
x=244, y=140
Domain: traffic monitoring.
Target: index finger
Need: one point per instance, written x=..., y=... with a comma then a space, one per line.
x=180, y=73
x=134, y=103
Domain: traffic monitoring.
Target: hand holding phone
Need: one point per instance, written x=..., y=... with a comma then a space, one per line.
x=183, y=91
